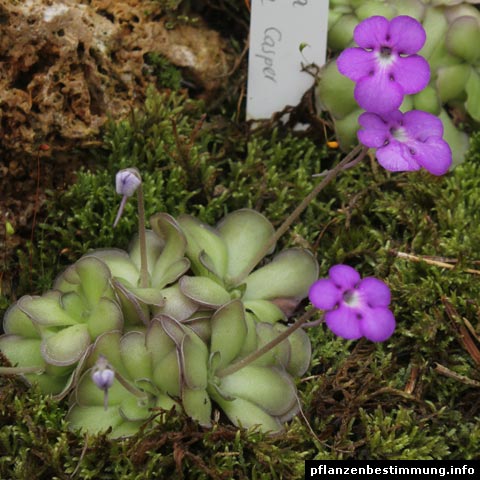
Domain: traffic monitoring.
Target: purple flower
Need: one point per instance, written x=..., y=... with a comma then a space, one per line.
x=355, y=308
x=406, y=141
x=386, y=66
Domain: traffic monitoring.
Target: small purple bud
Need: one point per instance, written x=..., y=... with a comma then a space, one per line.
x=127, y=181
x=103, y=376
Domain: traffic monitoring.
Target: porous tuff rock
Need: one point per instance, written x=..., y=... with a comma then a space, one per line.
x=65, y=67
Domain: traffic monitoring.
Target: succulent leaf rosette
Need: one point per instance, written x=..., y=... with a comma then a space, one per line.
x=223, y=260
x=127, y=346
x=52, y=333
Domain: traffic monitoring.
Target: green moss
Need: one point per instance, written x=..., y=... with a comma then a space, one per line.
x=168, y=76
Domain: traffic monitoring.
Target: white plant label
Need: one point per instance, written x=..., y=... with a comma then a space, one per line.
x=285, y=35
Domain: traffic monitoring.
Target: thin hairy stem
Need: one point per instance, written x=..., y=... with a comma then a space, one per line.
x=142, y=238
x=234, y=367
x=354, y=157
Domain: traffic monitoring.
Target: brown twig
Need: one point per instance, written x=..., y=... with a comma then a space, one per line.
x=430, y=261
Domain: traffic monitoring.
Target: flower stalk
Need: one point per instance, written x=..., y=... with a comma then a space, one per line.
x=128, y=181
x=235, y=367
x=352, y=159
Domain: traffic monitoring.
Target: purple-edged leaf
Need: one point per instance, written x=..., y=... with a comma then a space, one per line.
x=197, y=405
x=89, y=277
x=173, y=329
x=194, y=358
x=176, y=305
x=105, y=316
x=200, y=323
x=74, y=305
x=270, y=389
x=171, y=264
x=265, y=311
x=229, y=332
x=72, y=378
x=473, y=96
x=157, y=342
x=245, y=414
x=280, y=354
x=67, y=346
x=94, y=419
x=204, y=291
x=166, y=374
x=300, y=351
x=133, y=410
x=135, y=356
x=22, y=352
x=149, y=295
x=119, y=263
x=251, y=339
x=245, y=233
x=203, y=238
x=17, y=322
x=289, y=275
x=46, y=310
x=134, y=312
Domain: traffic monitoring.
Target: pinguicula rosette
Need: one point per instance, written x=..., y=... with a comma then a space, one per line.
x=406, y=141
x=385, y=66
x=167, y=339
x=354, y=307
x=53, y=332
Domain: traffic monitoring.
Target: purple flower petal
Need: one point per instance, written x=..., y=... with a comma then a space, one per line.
x=344, y=322
x=377, y=324
x=412, y=73
x=371, y=32
x=396, y=157
x=434, y=155
x=324, y=294
x=407, y=34
x=375, y=132
x=378, y=94
x=356, y=63
x=344, y=276
x=422, y=125
x=375, y=292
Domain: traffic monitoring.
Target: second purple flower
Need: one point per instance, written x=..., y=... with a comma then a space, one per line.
x=354, y=307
